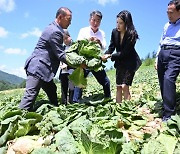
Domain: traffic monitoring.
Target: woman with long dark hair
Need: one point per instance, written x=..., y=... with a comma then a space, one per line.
x=127, y=61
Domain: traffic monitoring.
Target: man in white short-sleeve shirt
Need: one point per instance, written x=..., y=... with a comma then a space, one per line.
x=93, y=33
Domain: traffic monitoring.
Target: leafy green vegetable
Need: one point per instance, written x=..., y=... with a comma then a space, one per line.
x=78, y=79
x=94, y=64
x=65, y=142
x=11, y=114
x=170, y=145
x=91, y=50
x=154, y=146
x=83, y=52
x=24, y=127
x=7, y=134
x=43, y=150
x=100, y=128
x=90, y=146
x=74, y=60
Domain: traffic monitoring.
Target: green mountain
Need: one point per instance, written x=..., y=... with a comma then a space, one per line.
x=10, y=78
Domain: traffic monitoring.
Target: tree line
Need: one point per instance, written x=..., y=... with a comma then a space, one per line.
x=149, y=59
x=4, y=85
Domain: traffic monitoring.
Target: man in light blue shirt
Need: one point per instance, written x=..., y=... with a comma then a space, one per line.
x=168, y=62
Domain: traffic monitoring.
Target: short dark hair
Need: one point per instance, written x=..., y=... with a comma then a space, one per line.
x=96, y=12
x=176, y=3
x=62, y=10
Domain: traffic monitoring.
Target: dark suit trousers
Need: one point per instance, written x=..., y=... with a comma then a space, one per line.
x=101, y=77
x=168, y=70
x=33, y=85
x=67, y=88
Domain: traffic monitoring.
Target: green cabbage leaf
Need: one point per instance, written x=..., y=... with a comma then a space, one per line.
x=83, y=52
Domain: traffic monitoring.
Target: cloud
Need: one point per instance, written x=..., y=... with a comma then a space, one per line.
x=7, y=5
x=16, y=51
x=26, y=14
x=2, y=67
x=35, y=32
x=15, y=71
x=19, y=72
x=3, y=32
x=1, y=47
x=104, y=2
x=100, y=2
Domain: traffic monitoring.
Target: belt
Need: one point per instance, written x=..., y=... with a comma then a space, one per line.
x=169, y=47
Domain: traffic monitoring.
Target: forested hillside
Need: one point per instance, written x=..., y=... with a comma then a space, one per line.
x=9, y=81
x=10, y=78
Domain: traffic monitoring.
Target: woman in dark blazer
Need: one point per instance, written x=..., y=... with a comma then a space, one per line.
x=127, y=61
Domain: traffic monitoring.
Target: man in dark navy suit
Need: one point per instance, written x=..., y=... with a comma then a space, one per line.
x=42, y=65
x=168, y=63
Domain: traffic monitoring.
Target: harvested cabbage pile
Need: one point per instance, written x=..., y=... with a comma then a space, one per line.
x=87, y=52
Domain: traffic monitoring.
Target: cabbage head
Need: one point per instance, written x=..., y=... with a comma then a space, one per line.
x=83, y=52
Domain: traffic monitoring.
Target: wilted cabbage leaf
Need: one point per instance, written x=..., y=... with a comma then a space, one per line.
x=78, y=79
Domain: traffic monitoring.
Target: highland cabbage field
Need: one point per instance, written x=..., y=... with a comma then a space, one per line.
x=93, y=126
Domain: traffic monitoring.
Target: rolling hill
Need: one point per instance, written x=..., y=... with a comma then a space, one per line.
x=10, y=78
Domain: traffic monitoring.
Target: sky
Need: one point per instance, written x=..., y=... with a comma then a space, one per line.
x=22, y=22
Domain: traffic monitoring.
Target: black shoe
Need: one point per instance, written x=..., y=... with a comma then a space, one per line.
x=165, y=119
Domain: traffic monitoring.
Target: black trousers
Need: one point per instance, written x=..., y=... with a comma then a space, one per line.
x=33, y=85
x=102, y=79
x=67, y=88
x=168, y=70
